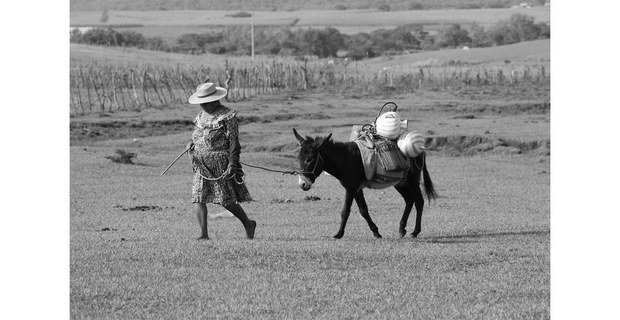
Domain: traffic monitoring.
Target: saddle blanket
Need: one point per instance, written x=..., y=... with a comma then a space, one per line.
x=377, y=177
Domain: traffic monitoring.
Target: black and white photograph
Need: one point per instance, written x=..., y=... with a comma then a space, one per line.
x=288, y=159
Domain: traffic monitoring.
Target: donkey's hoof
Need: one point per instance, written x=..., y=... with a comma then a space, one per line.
x=402, y=233
x=415, y=234
x=377, y=235
x=338, y=236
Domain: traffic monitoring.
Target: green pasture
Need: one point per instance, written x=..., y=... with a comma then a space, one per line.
x=117, y=56
x=164, y=23
x=523, y=53
x=483, y=251
x=519, y=54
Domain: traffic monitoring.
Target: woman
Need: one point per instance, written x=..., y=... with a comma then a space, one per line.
x=214, y=150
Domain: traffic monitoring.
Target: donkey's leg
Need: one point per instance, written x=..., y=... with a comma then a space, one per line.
x=418, y=199
x=405, y=190
x=361, y=204
x=344, y=214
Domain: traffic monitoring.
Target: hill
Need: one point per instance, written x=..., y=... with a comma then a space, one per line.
x=530, y=51
x=81, y=53
x=525, y=51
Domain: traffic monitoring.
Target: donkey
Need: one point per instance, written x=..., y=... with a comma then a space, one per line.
x=343, y=161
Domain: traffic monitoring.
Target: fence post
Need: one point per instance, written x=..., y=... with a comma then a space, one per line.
x=144, y=89
x=87, y=84
x=134, y=102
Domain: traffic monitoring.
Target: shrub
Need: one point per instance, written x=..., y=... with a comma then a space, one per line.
x=415, y=6
x=498, y=5
x=468, y=6
x=384, y=7
x=75, y=36
x=104, y=37
x=241, y=14
x=453, y=36
x=517, y=28
x=122, y=157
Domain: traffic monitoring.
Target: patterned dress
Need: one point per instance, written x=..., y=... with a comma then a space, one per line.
x=216, y=146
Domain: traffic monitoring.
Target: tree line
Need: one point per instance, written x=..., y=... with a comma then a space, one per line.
x=328, y=42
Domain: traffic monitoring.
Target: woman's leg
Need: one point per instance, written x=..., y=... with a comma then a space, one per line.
x=201, y=214
x=249, y=225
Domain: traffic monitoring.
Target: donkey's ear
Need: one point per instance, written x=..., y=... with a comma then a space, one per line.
x=325, y=140
x=299, y=138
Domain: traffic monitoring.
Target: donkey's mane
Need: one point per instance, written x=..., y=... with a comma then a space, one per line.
x=318, y=140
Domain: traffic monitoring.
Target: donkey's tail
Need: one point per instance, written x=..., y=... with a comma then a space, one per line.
x=431, y=194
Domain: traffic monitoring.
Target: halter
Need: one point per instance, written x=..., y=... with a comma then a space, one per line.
x=319, y=158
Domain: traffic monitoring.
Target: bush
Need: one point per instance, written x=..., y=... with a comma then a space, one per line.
x=468, y=6
x=241, y=14
x=517, y=28
x=122, y=157
x=133, y=39
x=453, y=36
x=104, y=37
x=415, y=6
x=384, y=7
x=75, y=36
x=498, y=5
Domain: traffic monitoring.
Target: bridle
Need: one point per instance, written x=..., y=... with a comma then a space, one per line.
x=316, y=165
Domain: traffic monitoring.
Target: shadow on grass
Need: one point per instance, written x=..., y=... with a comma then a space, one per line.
x=474, y=237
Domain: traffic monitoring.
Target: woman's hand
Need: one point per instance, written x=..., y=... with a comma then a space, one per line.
x=190, y=146
x=230, y=172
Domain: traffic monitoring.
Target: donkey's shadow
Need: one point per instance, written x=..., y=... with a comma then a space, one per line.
x=476, y=237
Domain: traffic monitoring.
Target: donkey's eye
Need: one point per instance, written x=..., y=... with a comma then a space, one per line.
x=309, y=160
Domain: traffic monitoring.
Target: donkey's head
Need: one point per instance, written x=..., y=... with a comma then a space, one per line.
x=311, y=162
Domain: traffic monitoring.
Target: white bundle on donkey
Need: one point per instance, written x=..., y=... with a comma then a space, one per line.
x=387, y=146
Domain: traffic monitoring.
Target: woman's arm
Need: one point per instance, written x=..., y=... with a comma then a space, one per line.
x=233, y=142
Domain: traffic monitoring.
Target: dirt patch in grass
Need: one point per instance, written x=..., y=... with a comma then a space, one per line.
x=81, y=132
x=468, y=111
x=518, y=108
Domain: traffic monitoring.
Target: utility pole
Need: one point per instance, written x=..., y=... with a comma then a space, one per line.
x=252, y=36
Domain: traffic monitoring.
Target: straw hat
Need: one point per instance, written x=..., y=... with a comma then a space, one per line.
x=207, y=92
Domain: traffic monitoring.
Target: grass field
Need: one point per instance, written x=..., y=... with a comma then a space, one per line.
x=481, y=254
x=529, y=52
x=172, y=23
x=483, y=251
